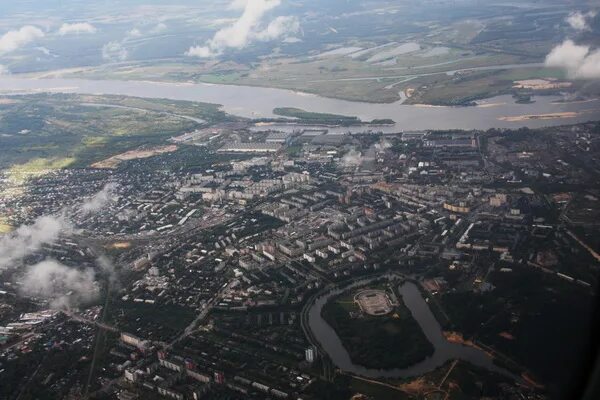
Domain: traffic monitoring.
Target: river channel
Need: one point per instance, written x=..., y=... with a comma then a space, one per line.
x=259, y=102
x=414, y=301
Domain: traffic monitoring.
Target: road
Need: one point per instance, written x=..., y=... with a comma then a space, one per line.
x=419, y=75
x=188, y=229
x=99, y=324
x=447, y=374
x=203, y=314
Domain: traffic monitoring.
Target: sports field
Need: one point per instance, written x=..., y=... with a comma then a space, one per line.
x=373, y=302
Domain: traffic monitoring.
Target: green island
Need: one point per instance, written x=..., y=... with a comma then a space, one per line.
x=324, y=118
x=393, y=340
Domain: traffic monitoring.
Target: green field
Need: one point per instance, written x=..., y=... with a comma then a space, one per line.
x=474, y=85
x=150, y=321
x=314, y=117
x=41, y=131
x=531, y=307
x=44, y=132
x=323, y=118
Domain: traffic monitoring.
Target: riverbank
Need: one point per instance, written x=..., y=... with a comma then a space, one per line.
x=327, y=340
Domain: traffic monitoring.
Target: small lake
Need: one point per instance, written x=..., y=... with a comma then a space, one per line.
x=259, y=102
x=414, y=301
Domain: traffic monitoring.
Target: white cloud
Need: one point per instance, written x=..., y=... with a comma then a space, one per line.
x=159, y=28
x=590, y=66
x=238, y=5
x=577, y=60
x=12, y=40
x=44, y=50
x=567, y=55
x=77, y=29
x=107, y=269
x=114, y=51
x=61, y=285
x=381, y=146
x=352, y=158
x=280, y=27
x=134, y=33
x=578, y=20
x=238, y=34
x=247, y=28
x=215, y=23
x=200, y=51
x=4, y=70
x=292, y=39
x=28, y=239
x=100, y=199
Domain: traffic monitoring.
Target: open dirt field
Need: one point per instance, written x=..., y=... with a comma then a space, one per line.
x=113, y=162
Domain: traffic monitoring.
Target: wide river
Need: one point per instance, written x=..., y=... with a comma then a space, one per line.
x=255, y=102
x=414, y=301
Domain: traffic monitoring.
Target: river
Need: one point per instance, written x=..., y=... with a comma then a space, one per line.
x=414, y=301
x=259, y=102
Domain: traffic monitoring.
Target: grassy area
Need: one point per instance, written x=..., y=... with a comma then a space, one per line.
x=473, y=85
x=20, y=173
x=151, y=321
x=337, y=76
x=314, y=117
x=324, y=118
x=45, y=132
x=294, y=150
x=59, y=126
x=355, y=79
x=522, y=317
x=391, y=341
x=531, y=73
